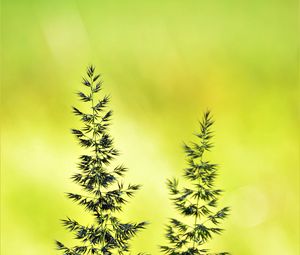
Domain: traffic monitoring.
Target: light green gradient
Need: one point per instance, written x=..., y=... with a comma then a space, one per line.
x=164, y=63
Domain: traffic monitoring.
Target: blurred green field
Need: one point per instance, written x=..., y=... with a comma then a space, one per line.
x=164, y=63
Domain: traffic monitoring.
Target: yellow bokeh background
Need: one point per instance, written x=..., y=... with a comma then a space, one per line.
x=163, y=63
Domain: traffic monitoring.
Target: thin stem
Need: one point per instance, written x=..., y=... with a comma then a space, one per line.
x=94, y=117
x=105, y=223
x=197, y=204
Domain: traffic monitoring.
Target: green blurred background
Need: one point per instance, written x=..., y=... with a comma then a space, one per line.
x=164, y=63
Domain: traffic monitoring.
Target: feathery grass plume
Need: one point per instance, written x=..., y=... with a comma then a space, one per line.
x=198, y=202
x=103, y=192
